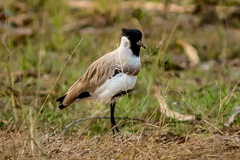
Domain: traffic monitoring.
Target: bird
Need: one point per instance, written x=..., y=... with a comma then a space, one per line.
x=110, y=77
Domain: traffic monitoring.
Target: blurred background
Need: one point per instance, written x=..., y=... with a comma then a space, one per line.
x=192, y=58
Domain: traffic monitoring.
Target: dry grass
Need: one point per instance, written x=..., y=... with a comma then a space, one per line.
x=131, y=146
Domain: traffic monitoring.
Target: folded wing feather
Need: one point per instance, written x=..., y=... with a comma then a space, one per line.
x=97, y=73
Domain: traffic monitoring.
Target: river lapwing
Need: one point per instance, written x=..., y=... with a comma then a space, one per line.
x=109, y=77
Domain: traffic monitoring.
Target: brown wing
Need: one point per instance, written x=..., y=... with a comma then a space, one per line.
x=97, y=73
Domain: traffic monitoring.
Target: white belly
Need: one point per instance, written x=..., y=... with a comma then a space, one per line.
x=120, y=82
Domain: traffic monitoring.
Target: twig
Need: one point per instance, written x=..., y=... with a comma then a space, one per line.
x=42, y=152
x=219, y=130
x=146, y=154
x=31, y=128
x=100, y=117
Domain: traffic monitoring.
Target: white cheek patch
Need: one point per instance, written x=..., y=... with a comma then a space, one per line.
x=125, y=44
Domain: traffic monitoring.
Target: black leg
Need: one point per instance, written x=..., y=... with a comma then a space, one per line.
x=112, y=108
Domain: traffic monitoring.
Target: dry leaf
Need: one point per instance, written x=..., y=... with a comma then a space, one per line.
x=231, y=119
x=15, y=31
x=190, y=51
x=168, y=112
x=82, y=4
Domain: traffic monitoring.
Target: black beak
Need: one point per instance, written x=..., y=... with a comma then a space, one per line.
x=141, y=44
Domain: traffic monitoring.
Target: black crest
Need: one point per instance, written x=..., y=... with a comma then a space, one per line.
x=134, y=35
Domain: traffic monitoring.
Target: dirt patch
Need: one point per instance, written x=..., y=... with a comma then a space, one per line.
x=154, y=146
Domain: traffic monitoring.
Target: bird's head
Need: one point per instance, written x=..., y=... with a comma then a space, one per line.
x=134, y=37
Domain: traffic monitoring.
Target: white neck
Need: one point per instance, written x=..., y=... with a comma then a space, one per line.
x=126, y=56
x=125, y=43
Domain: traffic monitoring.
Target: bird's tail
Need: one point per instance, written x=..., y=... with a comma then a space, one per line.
x=60, y=100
